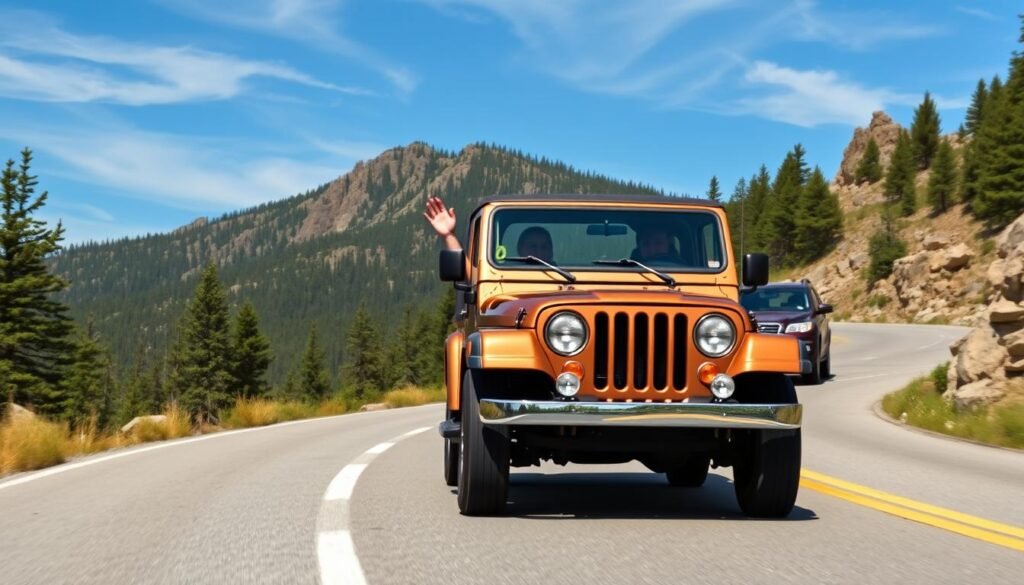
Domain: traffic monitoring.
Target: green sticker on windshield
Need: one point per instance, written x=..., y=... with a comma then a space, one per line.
x=500, y=253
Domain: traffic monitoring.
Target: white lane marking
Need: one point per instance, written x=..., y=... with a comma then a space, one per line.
x=64, y=467
x=339, y=563
x=342, y=485
x=838, y=379
x=380, y=448
x=870, y=357
x=338, y=560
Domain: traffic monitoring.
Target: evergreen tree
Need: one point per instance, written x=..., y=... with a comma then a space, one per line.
x=925, y=131
x=363, y=370
x=35, y=343
x=87, y=385
x=203, y=374
x=251, y=353
x=137, y=399
x=404, y=351
x=735, y=210
x=943, y=179
x=982, y=141
x=758, y=194
x=313, y=379
x=869, y=169
x=976, y=110
x=884, y=248
x=899, y=180
x=819, y=220
x=999, y=181
x=714, y=193
x=776, y=223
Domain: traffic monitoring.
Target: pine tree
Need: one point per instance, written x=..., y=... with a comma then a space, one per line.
x=735, y=210
x=884, y=248
x=999, y=197
x=943, y=179
x=313, y=379
x=403, y=352
x=35, y=344
x=899, y=180
x=87, y=383
x=363, y=370
x=976, y=110
x=251, y=353
x=982, y=142
x=714, y=193
x=203, y=367
x=819, y=220
x=925, y=132
x=776, y=224
x=869, y=169
x=136, y=398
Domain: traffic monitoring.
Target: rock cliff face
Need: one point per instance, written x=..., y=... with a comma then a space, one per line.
x=884, y=131
x=988, y=363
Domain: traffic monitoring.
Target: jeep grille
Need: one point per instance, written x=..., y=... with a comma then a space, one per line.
x=641, y=351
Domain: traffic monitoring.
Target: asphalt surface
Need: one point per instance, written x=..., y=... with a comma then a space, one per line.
x=247, y=507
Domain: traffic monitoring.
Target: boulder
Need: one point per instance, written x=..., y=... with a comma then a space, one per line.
x=858, y=261
x=1005, y=311
x=978, y=356
x=910, y=272
x=15, y=412
x=976, y=394
x=956, y=257
x=1014, y=343
x=843, y=268
x=1011, y=237
x=153, y=418
x=935, y=242
x=1016, y=367
x=374, y=407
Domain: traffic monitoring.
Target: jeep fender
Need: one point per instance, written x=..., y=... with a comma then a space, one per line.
x=453, y=362
x=761, y=352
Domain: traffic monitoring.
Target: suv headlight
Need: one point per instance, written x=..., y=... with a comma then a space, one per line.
x=803, y=327
x=714, y=335
x=566, y=333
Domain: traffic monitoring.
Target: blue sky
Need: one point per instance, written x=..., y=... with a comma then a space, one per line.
x=145, y=114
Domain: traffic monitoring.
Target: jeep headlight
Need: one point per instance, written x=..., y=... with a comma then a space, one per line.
x=714, y=335
x=803, y=327
x=566, y=333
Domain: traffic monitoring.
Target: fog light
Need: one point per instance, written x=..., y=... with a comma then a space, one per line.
x=568, y=384
x=723, y=386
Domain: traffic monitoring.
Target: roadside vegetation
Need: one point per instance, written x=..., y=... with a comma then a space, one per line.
x=921, y=404
x=28, y=443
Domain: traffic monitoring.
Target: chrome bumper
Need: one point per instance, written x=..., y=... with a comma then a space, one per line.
x=641, y=414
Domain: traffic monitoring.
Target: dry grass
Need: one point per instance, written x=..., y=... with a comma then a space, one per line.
x=175, y=424
x=921, y=404
x=413, y=396
x=32, y=443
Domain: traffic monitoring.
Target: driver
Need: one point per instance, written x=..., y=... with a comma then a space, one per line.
x=536, y=241
x=655, y=243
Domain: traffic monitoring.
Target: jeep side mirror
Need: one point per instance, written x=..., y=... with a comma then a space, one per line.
x=755, y=269
x=452, y=265
x=824, y=309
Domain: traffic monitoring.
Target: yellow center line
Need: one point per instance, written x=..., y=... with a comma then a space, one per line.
x=951, y=520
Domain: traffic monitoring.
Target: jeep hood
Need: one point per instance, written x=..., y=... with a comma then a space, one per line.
x=503, y=310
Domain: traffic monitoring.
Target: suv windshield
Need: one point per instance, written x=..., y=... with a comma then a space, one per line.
x=775, y=299
x=579, y=239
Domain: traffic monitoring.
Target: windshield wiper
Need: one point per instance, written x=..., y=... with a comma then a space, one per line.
x=535, y=260
x=630, y=262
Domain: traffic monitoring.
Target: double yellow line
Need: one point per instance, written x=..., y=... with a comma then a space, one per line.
x=951, y=520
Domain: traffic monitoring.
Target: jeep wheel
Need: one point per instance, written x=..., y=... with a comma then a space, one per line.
x=451, y=462
x=691, y=473
x=483, y=458
x=766, y=472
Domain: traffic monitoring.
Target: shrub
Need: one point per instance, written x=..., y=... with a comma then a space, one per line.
x=413, y=396
x=939, y=377
x=878, y=300
x=884, y=249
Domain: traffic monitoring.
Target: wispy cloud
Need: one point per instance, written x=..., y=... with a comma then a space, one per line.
x=810, y=98
x=311, y=22
x=975, y=11
x=855, y=30
x=44, y=63
x=193, y=173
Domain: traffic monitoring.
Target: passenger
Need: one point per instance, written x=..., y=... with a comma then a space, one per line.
x=534, y=241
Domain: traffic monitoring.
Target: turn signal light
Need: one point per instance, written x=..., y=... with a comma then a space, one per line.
x=573, y=367
x=707, y=372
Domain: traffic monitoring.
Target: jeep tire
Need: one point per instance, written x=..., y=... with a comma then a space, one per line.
x=451, y=461
x=691, y=473
x=766, y=470
x=483, y=457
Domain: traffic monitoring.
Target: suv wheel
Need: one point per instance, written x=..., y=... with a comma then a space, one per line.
x=815, y=376
x=766, y=472
x=826, y=366
x=483, y=458
x=691, y=473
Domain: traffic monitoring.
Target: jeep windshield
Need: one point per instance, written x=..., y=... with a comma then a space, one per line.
x=621, y=240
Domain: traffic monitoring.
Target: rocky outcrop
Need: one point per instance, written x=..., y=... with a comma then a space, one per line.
x=14, y=412
x=992, y=355
x=153, y=418
x=884, y=131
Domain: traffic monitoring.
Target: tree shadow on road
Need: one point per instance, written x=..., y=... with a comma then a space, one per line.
x=565, y=496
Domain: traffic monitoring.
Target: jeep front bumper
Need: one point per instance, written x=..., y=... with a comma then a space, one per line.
x=641, y=414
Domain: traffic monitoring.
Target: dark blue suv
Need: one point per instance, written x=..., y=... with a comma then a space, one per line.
x=794, y=308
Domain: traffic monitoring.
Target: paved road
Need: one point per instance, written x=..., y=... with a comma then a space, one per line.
x=248, y=507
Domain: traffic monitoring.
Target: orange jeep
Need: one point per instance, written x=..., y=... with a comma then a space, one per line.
x=602, y=329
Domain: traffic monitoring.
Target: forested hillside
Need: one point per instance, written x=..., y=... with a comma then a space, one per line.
x=312, y=258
